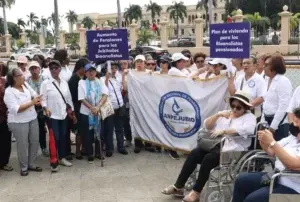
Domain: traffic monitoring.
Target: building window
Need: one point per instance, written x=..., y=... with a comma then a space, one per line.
x=158, y=21
x=224, y=18
x=193, y=18
x=203, y=16
x=193, y=31
x=215, y=17
x=190, y=19
x=175, y=31
x=182, y=31
x=182, y=20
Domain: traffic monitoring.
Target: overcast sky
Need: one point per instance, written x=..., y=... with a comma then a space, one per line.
x=44, y=8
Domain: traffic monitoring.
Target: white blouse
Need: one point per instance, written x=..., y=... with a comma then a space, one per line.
x=13, y=98
x=277, y=99
x=295, y=101
x=65, y=73
x=291, y=145
x=244, y=125
x=53, y=100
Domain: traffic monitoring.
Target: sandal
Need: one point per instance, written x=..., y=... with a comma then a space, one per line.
x=172, y=190
x=192, y=197
x=35, y=169
x=7, y=168
x=24, y=173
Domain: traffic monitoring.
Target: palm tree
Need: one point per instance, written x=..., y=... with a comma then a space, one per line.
x=155, y=9
x=32, y=19
x=72, y=18
x=204, y=4
x=133, y=12
x=177, y=11
x=38, y=25
x=7, y=4
x=144, y=37
x=44, y=21
x=257, y=21
x=21, y=23
x=87, y=22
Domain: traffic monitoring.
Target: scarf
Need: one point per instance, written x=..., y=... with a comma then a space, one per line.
x=93, y=96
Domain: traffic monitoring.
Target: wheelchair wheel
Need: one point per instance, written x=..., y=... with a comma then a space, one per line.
x=215, y=196
x=191, y=181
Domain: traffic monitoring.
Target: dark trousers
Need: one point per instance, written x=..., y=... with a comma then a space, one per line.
x=107, y=132
x=5, y=144
x=208, y=161
x=247, y=188
x=68, y=135
x=118, y=126
x=42, y=132
x=126, y=125
x=86, y=134
x=59, y=128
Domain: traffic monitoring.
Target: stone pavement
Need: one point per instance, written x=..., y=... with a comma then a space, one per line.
x=132, y=178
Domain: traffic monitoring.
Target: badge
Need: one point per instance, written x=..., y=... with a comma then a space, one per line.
x=251, y=84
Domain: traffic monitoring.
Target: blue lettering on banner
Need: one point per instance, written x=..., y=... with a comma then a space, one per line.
x=107, y=44
x=230, y=40
x=180, y=114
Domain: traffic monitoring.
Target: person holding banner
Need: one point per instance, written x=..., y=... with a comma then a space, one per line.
x=278, y=96
x=178, y=65
x=237, y=121
x=164, y=64
x=92, y=94
x=199, y=59
x=250, y=82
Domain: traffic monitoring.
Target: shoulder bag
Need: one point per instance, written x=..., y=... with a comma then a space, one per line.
x=122, y=110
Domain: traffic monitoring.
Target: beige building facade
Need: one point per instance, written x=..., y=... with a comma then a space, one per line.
x=186, y=26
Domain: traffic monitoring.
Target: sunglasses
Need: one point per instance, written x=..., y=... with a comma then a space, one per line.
x=21, y=64
x=237, y=107
x=151, y=64
x=200, y=61
x=164, y=62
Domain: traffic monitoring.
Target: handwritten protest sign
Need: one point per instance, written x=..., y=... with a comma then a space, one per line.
x=107, y=44
x=230, y=40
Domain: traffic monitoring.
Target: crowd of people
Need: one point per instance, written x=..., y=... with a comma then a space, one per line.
x=43, y=97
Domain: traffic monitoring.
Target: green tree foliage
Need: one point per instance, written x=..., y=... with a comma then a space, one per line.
x=144, y=37
x=133, y=12
x=177, y=12
x=154, y=9
x=87, y=22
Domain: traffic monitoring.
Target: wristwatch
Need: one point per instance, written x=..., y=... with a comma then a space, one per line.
x=272, y=144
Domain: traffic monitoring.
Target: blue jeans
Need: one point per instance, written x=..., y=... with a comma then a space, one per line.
x=247, y=188
x=59, y=128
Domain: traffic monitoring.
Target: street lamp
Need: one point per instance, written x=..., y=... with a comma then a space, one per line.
x=56, y=22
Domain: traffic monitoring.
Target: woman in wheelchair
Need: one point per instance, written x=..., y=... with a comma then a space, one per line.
x=237, y=121
x=251, y=187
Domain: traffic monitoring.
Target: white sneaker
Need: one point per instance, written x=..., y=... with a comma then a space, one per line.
x=65, y=162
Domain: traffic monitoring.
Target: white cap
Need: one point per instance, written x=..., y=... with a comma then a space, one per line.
x=179, y=56
x=224, y=61
x=34, y=64
x=140, y=57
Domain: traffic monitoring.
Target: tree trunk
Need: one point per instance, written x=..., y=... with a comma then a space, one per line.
x=119, y=14
x=4, y=19
x=177, y=27
x=70, y=27
x=57, y=42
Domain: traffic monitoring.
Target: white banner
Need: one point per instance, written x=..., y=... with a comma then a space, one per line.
x=169, y=110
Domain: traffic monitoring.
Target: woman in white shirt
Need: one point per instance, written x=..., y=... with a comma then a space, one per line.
x=251, y=83
x=57, y=104
x=278, y=96
x=237, y=121
x=92, y=94
x=287, y=152
x=20, y=100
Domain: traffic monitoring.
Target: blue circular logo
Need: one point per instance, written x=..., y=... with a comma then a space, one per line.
x=180, y=114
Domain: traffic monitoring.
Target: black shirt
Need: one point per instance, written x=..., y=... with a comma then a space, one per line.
x=73, y=86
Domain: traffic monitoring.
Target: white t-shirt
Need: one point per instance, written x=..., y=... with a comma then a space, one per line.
x=255, y=87
x=82, y=93
x=295, y=101
x=292, y=146
x=244, y=125
x=45, y=72
x=65, y=73
x=176, y=72
x=13, y=98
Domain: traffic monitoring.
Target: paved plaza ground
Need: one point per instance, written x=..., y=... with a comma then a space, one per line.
x=132, y=178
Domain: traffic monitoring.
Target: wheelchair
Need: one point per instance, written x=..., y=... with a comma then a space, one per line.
x=219, y=186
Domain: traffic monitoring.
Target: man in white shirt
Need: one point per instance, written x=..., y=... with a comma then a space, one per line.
x=178, y=65
x=22, y=64
x=115, y=93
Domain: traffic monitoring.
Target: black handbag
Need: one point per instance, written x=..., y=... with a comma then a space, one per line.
x=122, y=109
x=206, y=143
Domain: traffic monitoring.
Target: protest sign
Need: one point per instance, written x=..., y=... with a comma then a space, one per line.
x=230, y=40
x=107, y=44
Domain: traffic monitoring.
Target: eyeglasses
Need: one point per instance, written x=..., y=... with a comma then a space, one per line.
x=200, y=61
x=53, y=68
x=237, y=107
x=164, y=62
x=151, y=64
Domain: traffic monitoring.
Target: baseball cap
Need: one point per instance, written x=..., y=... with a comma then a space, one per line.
x=54, y=62
x=222, y=61
x=22, y=59
x=178, y=56
x=165, y=58
x=34, y=64
x=89, y=66
x=140, y=57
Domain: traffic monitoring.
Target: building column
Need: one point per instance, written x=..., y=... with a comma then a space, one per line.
x=199, y=31
x=8, y=44
x=285, y=25
x=42, y=40
x=23, y=36
x=82, y=40
x=164, y=33
x=133, y=35
x=62, y=39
